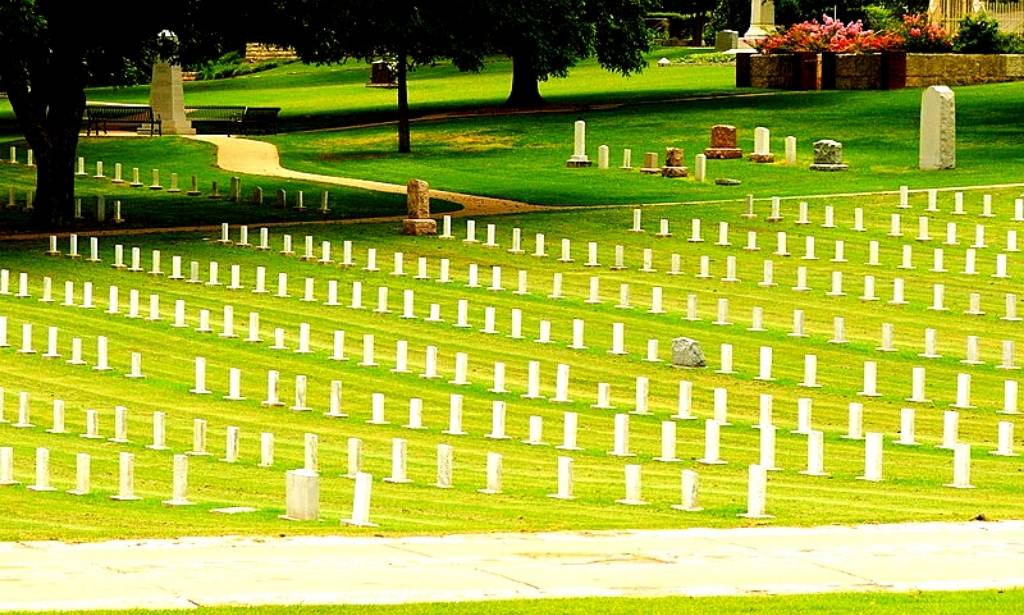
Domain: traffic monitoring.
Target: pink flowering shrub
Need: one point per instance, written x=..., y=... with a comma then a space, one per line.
x=919, y=34
x=829, y=35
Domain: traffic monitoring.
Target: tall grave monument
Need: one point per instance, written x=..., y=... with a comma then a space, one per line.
x=166, y=94
x=762, y=20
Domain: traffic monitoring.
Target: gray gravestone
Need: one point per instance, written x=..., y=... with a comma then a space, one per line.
x=686, y=352
x=726, y=40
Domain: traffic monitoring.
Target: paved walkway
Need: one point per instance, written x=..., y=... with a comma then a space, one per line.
x=346, y=570
x=248, y=156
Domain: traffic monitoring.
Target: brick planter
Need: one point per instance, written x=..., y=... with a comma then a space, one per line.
x=885, y=71
x=777, y=71
x=858, y=71
x=807, y=70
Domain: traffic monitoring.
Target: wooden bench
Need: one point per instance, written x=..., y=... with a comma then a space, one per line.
x=220, y=119
x=139, y=118
x=216, y=119
x=261, y=120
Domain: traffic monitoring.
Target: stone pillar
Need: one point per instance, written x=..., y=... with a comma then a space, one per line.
x=418, y=221
x=762, y=19
x=167, y=98
x=938, y=129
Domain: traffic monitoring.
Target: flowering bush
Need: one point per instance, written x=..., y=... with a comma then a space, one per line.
x=919, y=34
x=829, y=35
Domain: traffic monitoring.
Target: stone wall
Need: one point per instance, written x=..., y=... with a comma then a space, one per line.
x=772, y=71
x=859, y=71
x=257, y=52
x=925, y=69
x=865, y=72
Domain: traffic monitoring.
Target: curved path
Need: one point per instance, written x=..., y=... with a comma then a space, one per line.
x=192, y=572
x=252, y=157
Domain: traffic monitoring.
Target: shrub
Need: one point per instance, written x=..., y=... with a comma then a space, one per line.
x=919, y=34
x=829, y=35
x=978, y=34
x=231, y=64
x=880, y=18
x=1012, y=43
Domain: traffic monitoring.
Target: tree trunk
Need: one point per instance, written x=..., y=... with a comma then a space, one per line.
x=55, y=181
x=404, y=139
x=51, y=124
x=525, y=88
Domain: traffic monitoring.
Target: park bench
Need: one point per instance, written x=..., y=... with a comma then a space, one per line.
x=261, y=120
x=139, y=118
x=216, y=119
x=233, y=120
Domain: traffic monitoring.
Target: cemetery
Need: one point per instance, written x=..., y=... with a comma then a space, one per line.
x=666, y=311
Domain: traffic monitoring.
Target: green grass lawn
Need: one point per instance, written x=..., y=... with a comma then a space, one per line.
x=914, y=476
x=523, y=157
x=142, y=207
x=930, y=602
x=317, y=96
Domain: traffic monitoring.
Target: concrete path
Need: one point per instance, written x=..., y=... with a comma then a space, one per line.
x=238, y=155
x=345, y=570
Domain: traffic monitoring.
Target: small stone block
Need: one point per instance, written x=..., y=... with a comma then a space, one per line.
x=419, y=227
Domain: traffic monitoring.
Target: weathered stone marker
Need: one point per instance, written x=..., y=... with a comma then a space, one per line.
x=938, y=129
x=828, y=156
x=418, y=222
x=687, y=352
x=673, y=163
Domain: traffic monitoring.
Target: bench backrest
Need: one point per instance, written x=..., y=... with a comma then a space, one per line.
x=262, y=113
x=216, y=113
x=125, y=113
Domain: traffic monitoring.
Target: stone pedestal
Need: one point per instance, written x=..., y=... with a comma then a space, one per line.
x=419, y=226
x=723, y=143
x=762, y=20
x=938, y=129
x=673, y=163
x=167, y=97
x=828, y=156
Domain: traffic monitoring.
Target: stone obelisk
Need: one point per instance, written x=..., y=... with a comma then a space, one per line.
x=166, y=94
x=762, y=20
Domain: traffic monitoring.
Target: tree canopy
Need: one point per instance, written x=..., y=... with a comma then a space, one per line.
x=51, y=50
x=546, y=38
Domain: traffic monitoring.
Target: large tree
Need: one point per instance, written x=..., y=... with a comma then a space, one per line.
x=51, y=50
x=545, y=38
x=411, y=32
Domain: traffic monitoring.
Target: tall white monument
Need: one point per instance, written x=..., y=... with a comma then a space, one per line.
x=938, y=129
x=167, y=96
x=762, y=19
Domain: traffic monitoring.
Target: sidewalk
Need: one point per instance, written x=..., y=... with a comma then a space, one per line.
x=266, y=571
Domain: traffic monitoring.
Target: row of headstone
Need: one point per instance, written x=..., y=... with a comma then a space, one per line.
x=102, y=364
x=828, y=154
x=489, y=313
x=25, y=204
x=950, y=434
x=887, y=343
x=83, y=476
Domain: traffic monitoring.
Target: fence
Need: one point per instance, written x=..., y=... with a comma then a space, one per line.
x=948, y=13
